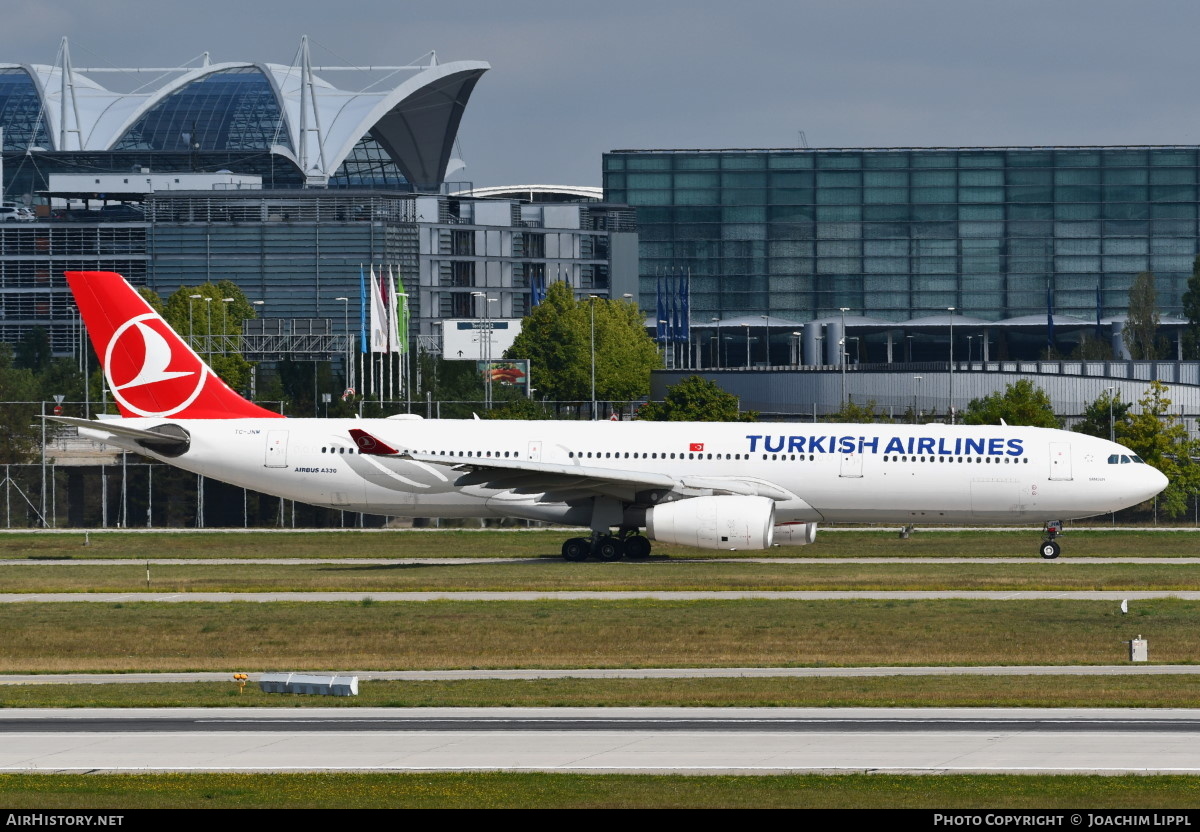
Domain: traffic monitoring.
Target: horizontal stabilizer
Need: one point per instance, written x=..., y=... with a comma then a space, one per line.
x=149, y=438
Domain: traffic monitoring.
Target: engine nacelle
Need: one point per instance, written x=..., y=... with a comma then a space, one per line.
x=731, y=522
x=795, y=534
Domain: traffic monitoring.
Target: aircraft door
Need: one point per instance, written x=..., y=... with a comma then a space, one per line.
x=276, y=453
x=1060, y=461
x=852, y=465
x=535, y=451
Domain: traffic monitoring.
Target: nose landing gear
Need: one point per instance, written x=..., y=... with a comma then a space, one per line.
x=1050, y=549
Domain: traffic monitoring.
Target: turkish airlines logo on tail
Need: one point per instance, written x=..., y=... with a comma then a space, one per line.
x=145, y=374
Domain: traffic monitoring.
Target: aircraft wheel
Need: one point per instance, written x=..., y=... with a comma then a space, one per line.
x=1049, y=550
x=610, y=548
x=637, y=547
x=576, y=549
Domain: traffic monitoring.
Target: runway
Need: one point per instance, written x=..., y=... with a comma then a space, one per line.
x=552, y=561
x=703, y=740
x=624, y=673
x=616, y=595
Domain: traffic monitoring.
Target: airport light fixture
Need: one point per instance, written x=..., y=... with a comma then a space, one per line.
x=349, y=339
x=747, y=326
x=950, y=309
x=191, y=324
x=224, y=323
x=767, y=340
x=592, y=304
x=842, y=351
x=916, y=387
x=1111, y=427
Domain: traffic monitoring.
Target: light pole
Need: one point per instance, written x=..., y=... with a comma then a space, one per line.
x=950, y=309
x=592, y=309
x=796, y=353
x=969, y=339
x=191, y=324
x=254, y=365
x=346, y=332
x=767, y=340
x=1111, y=426
x=842, y=352
x=747, y=345
x=916, y=387
x=208, y=342
x=224, y=323
x=717, y=360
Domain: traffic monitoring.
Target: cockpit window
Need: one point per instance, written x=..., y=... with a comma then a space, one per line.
x=1125, y=460
x=1138, y=459
x=1114, y=459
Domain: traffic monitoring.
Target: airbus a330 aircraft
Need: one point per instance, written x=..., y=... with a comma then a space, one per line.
x=706, y=484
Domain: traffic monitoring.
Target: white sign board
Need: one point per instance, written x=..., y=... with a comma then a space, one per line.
x=477, y=339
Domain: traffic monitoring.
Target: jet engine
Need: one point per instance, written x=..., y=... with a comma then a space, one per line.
x=795, y=534
x=728, y=522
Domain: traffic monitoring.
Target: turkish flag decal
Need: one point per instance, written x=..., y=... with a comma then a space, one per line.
x=696, y=446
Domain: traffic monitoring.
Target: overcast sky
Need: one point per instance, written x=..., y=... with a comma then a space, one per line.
x=570, y=80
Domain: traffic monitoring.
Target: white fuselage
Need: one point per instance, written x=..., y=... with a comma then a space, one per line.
x=837, y=472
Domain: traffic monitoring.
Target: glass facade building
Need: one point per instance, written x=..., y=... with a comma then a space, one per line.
x=903, y=233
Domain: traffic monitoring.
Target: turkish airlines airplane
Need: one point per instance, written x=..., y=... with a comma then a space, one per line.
x=707, y=484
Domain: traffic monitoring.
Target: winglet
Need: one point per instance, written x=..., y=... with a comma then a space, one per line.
x=369, y=445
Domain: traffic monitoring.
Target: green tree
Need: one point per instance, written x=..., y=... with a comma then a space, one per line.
x=1141, y=329
x=20, y=411
x=518, y=407
x=33, y=350
x=557, y=336
x=695, y=399
x=1160, y=438
x=1021, y=403
x=1096, y=416
x=857, y=413
x=212, y=325
x=1191, y=310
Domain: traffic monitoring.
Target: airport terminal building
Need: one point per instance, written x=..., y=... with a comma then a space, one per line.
x=894, y=235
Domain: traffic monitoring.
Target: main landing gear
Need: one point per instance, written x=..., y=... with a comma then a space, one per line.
x=607, y=547
x=1050, y=549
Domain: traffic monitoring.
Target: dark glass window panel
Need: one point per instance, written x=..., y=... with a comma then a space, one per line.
x=937, y=213
x=614, y=180
x=840, y=179
x=886, y=179
x=697, y=196
x=1077, y=247
x=368, y=165
x=1030, y=176
x=647, y=197
x=1185, y=158
x=839, y=196
x=639, y=162
x=233, y=109
x=883, y=160
x=743, y=180
x=1173, y=193
x=981, y=194
x=614, y=162
x=1077, y=193
x=1025, y=228
x=791, y=196
x=886, y=213
x=748, y=161
x=1126, y=245
x=788, y=179
x=694, y=214
x=980, y=178
x=1126, y=176
x=934, y=230
x=690, y=162
x=1077, y=211
x=1173, y=211
x=1173, y=176
x=827, y=161
x=1077, y=176
x=839, y=213
x=930, y=195
x=1126, y=210
x=989, y=213
x=934, y=160
x=648, y=180
x=884, y=196
x=1124, y=158
x=1018, y=211
x=885, y=230
x=980, y=229
x=1030, y=158
x=745, y=213
x=790, y=161
x=1032, y=193
x=1077, y=229
x=21, y=112
x=1118, y=228
x=980, y=160
x=933, y=178
x=1077, y=158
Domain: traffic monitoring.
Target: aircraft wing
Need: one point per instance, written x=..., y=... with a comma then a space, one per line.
x=567, y=483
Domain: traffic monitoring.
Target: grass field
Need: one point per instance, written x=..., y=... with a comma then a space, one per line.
x=462, y=634
x=577, y=791
x=548, y=543
x=1166, y=691
x=552, y=575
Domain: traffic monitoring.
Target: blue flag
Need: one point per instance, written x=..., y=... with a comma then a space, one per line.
x=661, y=324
